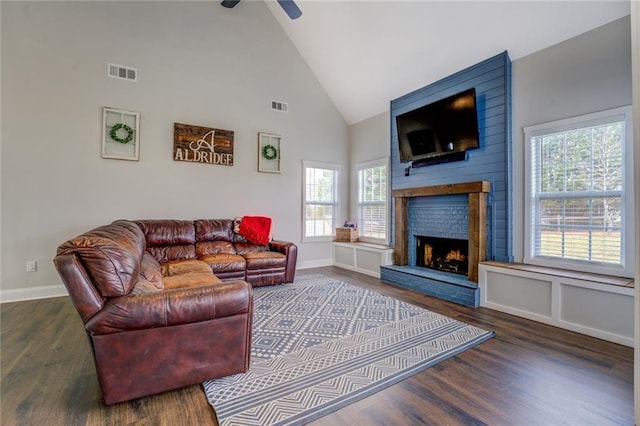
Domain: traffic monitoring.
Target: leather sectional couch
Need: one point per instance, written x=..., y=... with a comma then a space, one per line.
x=168, y=303
x=213, y=242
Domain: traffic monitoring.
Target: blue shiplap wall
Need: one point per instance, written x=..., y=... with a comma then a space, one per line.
x=491, y=162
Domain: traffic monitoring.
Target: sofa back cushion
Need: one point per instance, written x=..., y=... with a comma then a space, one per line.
x=214, y=230
x=214, y=236
x=111, y=255
x=244, y=248
x=169, y=240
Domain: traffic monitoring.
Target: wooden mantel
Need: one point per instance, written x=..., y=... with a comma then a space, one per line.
x=477, y=219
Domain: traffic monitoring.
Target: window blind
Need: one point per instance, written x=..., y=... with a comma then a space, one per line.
x=372, y=201
x=577, y=192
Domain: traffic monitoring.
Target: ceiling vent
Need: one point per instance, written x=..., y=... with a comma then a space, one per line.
x=279, y=106
x=125, y=73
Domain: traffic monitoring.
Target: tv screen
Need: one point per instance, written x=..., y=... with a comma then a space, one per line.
x=447, y=126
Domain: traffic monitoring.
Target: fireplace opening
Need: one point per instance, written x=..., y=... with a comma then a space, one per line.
x=443, y=254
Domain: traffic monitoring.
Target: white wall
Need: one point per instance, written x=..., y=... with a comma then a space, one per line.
x=368, y=140
x=198, y=63
x=588, y=73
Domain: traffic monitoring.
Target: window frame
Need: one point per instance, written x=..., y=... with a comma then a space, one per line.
x=380, y=162
x=336, y=201
x=626, y=268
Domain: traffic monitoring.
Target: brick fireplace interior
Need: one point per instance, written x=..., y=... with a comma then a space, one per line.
x=443, y=254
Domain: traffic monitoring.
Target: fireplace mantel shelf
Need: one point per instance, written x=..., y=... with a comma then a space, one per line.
x=477, y=192
x=448, y=189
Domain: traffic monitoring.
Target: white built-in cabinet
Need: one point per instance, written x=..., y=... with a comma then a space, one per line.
x=362, y=257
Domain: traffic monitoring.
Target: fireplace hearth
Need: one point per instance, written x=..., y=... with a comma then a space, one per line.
x=443, y=254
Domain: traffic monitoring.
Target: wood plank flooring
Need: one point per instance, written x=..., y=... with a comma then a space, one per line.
x=528, y=374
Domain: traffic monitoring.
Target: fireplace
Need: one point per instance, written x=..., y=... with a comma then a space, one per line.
x=477, y=219
x=443, y=254
x=458, y=288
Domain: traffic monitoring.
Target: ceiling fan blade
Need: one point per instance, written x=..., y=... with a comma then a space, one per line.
x=290, y=8
x=229, y=3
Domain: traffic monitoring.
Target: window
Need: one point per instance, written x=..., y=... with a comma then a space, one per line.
x=579, y=185
x=372, y=201
x=320, y=200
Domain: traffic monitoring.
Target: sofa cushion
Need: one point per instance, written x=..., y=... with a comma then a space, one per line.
x=179, y=267
x=244, y=248
x=237, y=237
x=150, y=270
x=168, y=232
x=169, y=240
x=143, y=286
x=214, y=247
x=190, y=279
x=265, y=259
x=171, y=253
x=224, y=262
x=111, y=255
x=214, y=230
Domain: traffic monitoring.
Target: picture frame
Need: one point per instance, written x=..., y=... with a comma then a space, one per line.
x=207, y=145
x=120, y=134
x=269, y=152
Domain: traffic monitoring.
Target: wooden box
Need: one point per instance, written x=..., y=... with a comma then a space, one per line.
x=346, y=235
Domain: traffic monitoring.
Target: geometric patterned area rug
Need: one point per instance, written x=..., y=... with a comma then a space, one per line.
x=320, y=344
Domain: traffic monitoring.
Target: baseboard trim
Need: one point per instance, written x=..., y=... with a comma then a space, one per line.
x=34, y=293
x=314, y=263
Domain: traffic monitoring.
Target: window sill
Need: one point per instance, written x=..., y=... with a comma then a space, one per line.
x=579, y=275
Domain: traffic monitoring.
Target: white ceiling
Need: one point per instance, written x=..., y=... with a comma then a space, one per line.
x=366, y=53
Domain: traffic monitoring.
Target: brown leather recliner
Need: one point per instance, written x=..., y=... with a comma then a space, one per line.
x=152, y=333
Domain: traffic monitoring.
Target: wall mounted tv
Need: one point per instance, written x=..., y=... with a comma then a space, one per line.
x=439, y=132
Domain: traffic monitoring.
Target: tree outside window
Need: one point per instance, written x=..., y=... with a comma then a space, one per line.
x=578, y=185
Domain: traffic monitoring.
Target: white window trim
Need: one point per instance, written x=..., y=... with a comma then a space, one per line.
x=627, y=268
x=319, y=165
x=369, y=164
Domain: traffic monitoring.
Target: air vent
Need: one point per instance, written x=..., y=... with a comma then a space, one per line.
x=279, y=106
x=125, y=73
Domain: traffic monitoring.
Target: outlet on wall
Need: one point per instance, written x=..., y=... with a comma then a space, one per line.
x=32, y=266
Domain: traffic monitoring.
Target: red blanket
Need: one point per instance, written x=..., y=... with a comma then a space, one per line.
x=256, y=229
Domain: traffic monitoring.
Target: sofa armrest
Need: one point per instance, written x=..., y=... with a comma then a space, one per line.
x=172, y=307
x=291, y=251
x=281, y=246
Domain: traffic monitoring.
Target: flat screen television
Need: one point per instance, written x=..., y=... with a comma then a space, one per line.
x=447, y=127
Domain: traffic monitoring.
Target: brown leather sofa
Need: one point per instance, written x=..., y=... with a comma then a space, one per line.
x=156, y=315
x=228, y=254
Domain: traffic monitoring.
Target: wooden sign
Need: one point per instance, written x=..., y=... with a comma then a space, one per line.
x=202, y=144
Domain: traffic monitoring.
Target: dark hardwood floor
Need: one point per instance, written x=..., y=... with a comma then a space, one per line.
x=528, y=374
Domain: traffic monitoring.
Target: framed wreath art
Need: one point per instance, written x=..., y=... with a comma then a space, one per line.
x=269, y=154
x=120, y=134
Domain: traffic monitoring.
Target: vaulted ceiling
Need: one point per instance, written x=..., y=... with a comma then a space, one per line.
x=366, y=53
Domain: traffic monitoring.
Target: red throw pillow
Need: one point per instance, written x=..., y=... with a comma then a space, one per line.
x=256, y=229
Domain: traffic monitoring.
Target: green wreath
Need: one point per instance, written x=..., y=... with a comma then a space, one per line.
x=114, y=133
x=269, y=152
